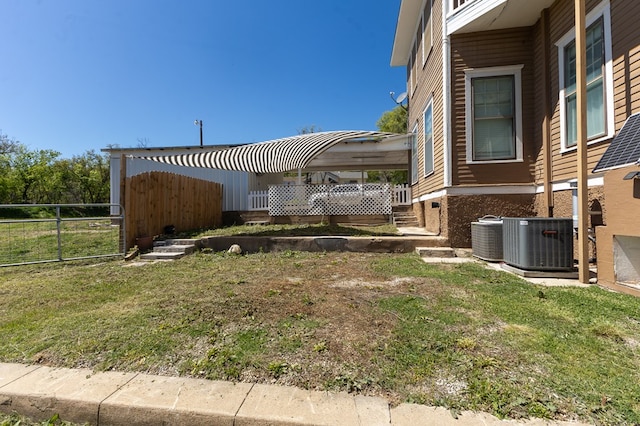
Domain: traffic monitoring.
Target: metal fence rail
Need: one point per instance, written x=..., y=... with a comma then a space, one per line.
x=40, y=233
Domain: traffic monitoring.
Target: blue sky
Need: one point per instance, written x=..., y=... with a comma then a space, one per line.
x=82, y=74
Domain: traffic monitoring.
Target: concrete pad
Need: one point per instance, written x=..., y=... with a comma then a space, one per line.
x=154, y=400
x=11, y=372
x=549, y=282
x=73, y=394
x=280, y=406
x=448, y=259
x=421, y=415
x=372, y=411
x=540, y=274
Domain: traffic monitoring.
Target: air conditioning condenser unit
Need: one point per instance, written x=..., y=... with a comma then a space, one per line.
x=542, y=244
x=486, y=239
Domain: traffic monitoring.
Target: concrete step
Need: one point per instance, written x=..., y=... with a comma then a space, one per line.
x=447, y=252
x=406, y=221
x=177, y=241
x=404, y=214
x=154, y=255
x=175, y=248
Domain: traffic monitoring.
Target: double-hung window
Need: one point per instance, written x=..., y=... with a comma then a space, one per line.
x=428, y=139
x=414, y=155
x=427, y=30
x=596, y=111
x=599, y=100
x=493, y=108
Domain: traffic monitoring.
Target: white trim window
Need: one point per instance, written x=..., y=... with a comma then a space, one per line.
x=428, y=138
x=427, y=30
x=493, y=114
x=414, y=155
x=599, y=71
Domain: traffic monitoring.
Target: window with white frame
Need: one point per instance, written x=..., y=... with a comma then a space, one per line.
x=493, y=110
x=427, y=30
x=414, y=155
x=413, y=71
x=428, y=138
x=599, y=73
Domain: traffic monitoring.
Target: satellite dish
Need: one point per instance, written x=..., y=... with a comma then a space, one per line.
x=401, y=97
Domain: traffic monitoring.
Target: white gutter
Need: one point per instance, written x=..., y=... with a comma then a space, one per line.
x=446, y=97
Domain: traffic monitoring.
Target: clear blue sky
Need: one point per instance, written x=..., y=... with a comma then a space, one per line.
x=82, y=74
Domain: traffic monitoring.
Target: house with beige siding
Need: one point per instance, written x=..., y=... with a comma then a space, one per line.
x=491, y=89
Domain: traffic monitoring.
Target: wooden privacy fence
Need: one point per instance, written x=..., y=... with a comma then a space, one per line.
x=155, y=200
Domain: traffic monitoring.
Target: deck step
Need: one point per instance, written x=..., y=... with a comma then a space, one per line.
x=405, y=218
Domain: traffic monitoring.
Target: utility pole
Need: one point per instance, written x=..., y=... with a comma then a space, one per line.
x=199, y=122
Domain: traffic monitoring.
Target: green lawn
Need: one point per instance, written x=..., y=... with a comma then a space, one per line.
x=37, y=241
x=459, y=336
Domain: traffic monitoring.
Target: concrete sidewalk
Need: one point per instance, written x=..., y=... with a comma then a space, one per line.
x=111, y=398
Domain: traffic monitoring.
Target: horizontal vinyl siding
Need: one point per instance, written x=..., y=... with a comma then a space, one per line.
x=626, y=59
x=538, y=104
x=492, y=49
x=429, y=83
x=561, y=20
x=626, y=78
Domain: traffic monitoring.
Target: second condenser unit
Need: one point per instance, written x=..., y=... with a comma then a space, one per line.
x=486, y=238
x=543, y=244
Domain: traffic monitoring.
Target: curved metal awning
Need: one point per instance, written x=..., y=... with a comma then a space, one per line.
x=275, y=156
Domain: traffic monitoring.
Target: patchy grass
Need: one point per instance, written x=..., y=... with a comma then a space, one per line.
x=296, y=230
x=37, y=241
x=18, y=420
x=459, y=336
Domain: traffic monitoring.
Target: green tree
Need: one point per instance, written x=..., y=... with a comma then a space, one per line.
x=31, y=176
x=7, y=144
x=394, y=121
x=41, y=177
x=90, y=174
x=309, y=129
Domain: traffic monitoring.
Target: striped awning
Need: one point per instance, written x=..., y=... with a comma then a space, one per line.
x=274, y=156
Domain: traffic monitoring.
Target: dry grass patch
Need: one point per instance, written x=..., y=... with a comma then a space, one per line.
x=458, y=336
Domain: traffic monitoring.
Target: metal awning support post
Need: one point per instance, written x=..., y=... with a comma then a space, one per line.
x=581, y=95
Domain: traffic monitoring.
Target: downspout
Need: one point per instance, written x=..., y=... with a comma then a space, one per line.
x=546, y=121
x=446, y=97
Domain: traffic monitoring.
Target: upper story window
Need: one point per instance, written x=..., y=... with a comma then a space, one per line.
x=427, y=30
x=413, y=71
x=599, y=73
x=421, y=47
x=493, y=109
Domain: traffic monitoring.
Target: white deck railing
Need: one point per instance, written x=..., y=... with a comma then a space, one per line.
x=401, y=196
x=258, y=200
